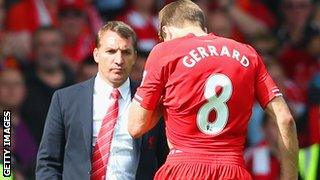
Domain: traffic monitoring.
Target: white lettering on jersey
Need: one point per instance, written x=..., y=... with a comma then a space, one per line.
x=188, y=62
x=199, y=53
x=224, y=51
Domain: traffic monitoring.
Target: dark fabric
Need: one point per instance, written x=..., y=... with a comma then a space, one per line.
x=314, y=91
x=154, y=151
x=36, y=105
x=65, y=150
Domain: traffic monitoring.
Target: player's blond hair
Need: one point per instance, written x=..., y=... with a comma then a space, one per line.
x=179, y=14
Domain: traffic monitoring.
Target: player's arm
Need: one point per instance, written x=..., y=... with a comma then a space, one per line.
x=142, y=120
x=288, y=143
x=145, y=109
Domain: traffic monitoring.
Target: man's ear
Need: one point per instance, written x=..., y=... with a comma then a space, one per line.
x=206, y=30
x=167, y=33
x=95, y=55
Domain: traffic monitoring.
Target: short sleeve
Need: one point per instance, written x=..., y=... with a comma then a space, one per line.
x=265, y=88
x=151, y=88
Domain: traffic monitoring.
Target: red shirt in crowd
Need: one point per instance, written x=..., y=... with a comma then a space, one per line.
x=145, y=28
x=28, y=15
x=262, y=163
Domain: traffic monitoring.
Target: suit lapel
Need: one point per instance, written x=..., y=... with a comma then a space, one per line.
x=86, y=113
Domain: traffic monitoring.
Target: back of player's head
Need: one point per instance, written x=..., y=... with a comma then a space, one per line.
x=181, y=13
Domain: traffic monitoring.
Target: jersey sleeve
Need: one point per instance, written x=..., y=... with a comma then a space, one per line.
x=265, y=88
x=151, y=88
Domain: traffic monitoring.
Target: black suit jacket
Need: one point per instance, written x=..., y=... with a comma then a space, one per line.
x=66, y=146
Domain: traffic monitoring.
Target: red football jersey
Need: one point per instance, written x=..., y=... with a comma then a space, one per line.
x=208, y=85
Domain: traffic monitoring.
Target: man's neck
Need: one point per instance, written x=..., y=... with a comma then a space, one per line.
x=181, y=32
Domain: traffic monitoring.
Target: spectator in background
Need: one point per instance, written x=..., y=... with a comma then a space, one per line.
x=309, y=159
x=220, y=23
x=266, y=44
x=93, y=15
x=12, y=94
x=310, y=127
x=296, y=33
x=316, y=18
x=137, y=70
x=31, y=14
x=314, y=109
x=2, y=14
x=296, y=14
x=110, y=9
x=47, y=73
x=250, y=16
x=142, y=19
x=79, y=41
x=263, y=159
x=291, y=91
x=87, y=69
x=14, y=46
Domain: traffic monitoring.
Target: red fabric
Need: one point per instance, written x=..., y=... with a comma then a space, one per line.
x=145, y=28
x=293, y=92
x=298, y=66
x=76, y=4
x=273, y=171
x=102, y=148
x=183, y=90
x=76, y=52
x=191, y=166
x=259, y=11
x=314, y=124
x=24, y=16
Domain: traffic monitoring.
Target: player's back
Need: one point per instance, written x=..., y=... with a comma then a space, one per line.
x=210, y=86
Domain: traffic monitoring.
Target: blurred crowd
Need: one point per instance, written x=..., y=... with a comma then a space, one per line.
x=47, y=44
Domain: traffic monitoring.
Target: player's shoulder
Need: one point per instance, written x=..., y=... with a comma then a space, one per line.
x=235, y=43
x=165, y=47
x=163, y=52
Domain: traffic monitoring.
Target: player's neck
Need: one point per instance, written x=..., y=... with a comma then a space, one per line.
x=181, y=32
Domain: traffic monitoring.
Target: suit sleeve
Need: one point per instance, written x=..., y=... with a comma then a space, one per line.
x=51, y=150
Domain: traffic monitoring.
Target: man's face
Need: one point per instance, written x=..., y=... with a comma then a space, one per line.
x=48, y=50
x=12, y=89
x=115, y=57
x=72, y=24
x=296, y=12
x=2, y=13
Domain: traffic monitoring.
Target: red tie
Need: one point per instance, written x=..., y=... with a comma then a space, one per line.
x=102, y=148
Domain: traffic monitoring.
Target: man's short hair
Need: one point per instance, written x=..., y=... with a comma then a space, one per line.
x=41, y=29
x=181, y=13
x=121, y=28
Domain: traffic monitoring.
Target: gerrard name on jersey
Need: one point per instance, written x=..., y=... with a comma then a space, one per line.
x=199, y=53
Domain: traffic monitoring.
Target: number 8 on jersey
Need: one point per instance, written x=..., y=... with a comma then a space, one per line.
x=215, y=102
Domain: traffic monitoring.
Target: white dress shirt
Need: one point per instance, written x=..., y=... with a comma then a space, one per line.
x=123, y=159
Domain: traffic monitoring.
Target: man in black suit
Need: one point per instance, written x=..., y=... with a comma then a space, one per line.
x=77, y=114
